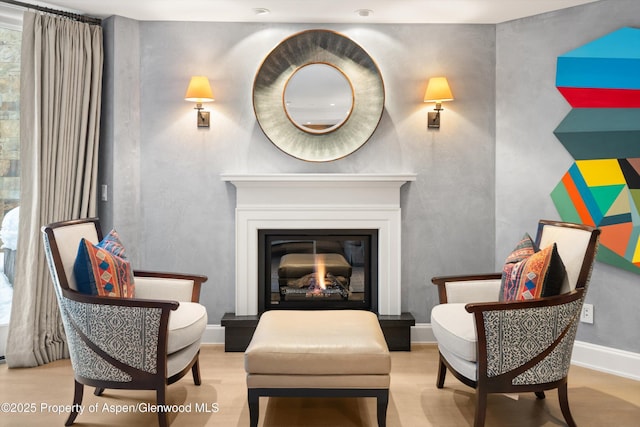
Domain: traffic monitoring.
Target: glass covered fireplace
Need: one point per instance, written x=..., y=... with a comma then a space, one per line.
x=317, y=269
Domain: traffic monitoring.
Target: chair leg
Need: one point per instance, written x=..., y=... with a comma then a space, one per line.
x=383, y=403
x=254, y=407
x=564, y=404
x=540, y=395
x=195, y=370
x=77, y=401
x=442, y=372
x=98, y=391
x=161, y=394
x=481, y=408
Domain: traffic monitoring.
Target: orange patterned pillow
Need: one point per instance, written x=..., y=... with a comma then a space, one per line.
x=536, y=276
x=99, y=272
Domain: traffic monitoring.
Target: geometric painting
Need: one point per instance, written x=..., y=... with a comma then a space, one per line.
x=601, y=81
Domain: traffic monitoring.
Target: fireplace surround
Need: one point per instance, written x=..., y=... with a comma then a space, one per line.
x=309, y=201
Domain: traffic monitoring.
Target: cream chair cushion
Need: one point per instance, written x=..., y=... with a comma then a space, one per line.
x=454, y=327
x=572, y=244
x=188, y=322
x=466, y=291
x=186, y=325
x=464, y=367
x=163, y=288
x=67, y=239
x=178, y=360
x=455, y=330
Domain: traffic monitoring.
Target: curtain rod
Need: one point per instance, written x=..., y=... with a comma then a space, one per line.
x=74, y=16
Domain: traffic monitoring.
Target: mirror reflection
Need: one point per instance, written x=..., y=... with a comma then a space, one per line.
x=318, y=98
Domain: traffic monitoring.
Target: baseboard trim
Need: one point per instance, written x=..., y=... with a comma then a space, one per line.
x=599, y=358
x=606, y=359
x=422, y=333
x=213, y=334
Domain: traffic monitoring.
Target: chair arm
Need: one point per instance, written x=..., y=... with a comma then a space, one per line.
x=507, y=346
x=468, y=288
x=123, y=302
x=115, y=339
x=168, y=286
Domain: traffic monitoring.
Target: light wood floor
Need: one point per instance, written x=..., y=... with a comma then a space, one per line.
x=596, y=399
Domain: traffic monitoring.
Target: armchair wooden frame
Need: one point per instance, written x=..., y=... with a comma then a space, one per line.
x=489, y=382
x=140, y=379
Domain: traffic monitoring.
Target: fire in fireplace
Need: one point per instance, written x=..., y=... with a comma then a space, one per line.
x=317, y=269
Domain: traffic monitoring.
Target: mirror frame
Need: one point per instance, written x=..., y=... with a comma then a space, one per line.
x=337, y=50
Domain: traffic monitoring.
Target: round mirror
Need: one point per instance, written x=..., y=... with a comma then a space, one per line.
x=299, y=69
x=318, y=98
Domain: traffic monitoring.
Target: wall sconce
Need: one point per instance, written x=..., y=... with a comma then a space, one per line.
x=199, y=91
x=438, y=91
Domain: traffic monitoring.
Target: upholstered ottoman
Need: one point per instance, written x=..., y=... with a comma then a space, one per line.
x=327, y=353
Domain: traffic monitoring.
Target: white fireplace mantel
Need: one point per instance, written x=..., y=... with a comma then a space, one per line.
x=318, y=201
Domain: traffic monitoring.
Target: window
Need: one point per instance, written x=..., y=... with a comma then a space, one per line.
x=10, y=39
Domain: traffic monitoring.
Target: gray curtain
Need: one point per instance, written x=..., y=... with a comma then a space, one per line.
x=60, y=91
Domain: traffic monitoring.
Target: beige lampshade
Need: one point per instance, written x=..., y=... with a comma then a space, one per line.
x=438, y=90
x=199, y=90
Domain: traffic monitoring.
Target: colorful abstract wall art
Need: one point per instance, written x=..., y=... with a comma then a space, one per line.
x=601, y=82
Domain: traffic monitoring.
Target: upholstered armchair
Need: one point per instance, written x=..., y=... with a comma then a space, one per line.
x=145, y=343
x=514, y=346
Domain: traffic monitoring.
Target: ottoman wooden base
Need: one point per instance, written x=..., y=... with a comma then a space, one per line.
x=382, y=396
x=332, y=353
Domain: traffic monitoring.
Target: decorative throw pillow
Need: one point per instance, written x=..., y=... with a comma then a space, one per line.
x=539, y=275
x=523, y=250
x=111, y=242
x=100, y=272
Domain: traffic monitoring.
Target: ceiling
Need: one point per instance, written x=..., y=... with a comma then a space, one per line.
x=316, y=11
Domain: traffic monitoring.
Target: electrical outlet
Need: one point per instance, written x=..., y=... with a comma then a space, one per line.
x=104, y=193
x=586, y=316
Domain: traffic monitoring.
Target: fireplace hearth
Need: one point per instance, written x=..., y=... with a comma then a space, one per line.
x=317, y=269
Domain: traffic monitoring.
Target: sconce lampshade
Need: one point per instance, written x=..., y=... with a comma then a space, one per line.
x=438, y=90
x=199, y=90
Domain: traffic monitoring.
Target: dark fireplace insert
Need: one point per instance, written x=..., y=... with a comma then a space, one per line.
x=318, y=269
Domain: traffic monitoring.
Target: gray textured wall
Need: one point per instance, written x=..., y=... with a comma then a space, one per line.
x=530, y=161
x=170, y=205
x=483, y=179
x=119, y=167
